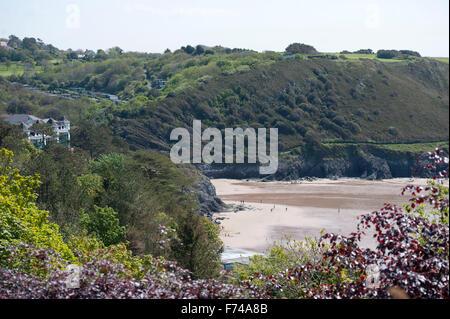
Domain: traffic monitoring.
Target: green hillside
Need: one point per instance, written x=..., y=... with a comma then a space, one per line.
x=325, y=97
x=360, y=101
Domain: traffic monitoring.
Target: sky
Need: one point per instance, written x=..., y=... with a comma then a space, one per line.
x=153, y=26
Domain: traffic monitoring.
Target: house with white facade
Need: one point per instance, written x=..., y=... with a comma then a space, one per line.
x=4, y=44
x=61, y=129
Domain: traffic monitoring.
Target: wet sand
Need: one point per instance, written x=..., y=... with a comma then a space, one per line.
x=275, y=210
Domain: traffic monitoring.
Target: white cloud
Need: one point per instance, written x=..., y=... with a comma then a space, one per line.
x=73, y=16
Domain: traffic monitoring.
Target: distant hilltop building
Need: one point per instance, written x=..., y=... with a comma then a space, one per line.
x=4, y=44
x=61, y=129
x=160, y=84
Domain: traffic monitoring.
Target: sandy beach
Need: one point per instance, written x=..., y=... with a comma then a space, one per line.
x=275, y=210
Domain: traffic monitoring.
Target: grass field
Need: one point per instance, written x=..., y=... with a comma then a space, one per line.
x=374, y=56
x=56, y=61
x=419, y=147
x=357, y=56
x=445, y=60
x=14, y=68
x=413, y=147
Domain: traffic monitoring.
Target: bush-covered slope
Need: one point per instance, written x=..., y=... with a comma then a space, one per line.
x=364, y=100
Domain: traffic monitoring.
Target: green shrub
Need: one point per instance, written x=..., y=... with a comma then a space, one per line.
x=103, y=223
x=20, y=219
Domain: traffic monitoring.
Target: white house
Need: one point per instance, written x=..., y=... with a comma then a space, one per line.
x=61, y=129
x=5, y=45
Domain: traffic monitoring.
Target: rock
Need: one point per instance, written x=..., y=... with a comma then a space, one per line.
x=362, y=166
x=373, y=168
x=208, y=201
x=367, y=164
x=235, y=171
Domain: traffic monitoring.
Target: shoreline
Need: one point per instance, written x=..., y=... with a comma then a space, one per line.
x=274, y=209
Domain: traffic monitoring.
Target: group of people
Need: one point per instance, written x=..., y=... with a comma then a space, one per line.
x=273, y=208
x=241, y=202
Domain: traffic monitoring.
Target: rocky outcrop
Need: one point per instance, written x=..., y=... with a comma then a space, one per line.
x=208, y=201
x=235, y=171
x=367, y=166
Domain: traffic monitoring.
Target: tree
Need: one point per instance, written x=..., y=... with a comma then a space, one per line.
x=313, y=142
x=14, y=42
x=91, y=186
x=199, y=246
x=5, y=56
x=115, y=51
x=72, y=55
x=59, y=191
x=18, y=106
x=188, y=49
x=54, y=113
x=199, y=50
x=30, y=44
x=101, y=55
x=20, y=219
x=409, y=52
x=103, y=224
x=364, y=51
x=300, y=48
x=387, y=54
x=92, y=138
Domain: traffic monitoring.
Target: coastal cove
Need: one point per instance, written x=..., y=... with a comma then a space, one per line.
x=276, y=210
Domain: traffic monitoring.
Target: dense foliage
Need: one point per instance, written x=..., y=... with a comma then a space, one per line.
x=395, y=54
x=101, y=276
x=122, y=197
x=20, y=219
x=36, y=261
x=300, y=48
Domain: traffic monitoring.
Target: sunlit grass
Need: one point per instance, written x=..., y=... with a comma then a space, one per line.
x=403, y=147
x=13, y=69
x=358, y=56
x=442, y=59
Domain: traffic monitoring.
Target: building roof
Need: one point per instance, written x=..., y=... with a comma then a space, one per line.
x=31, y=119
x=4, y=44
x=22, y=118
